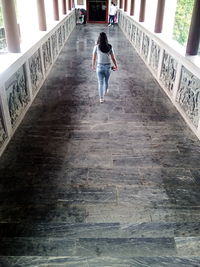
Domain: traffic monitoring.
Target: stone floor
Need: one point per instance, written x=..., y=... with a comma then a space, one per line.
x=87, y=184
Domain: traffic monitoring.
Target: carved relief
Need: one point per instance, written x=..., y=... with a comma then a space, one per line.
x=133, y=33
x=138, y=38
x=154, y=56
x=188, y=95
x=54, y=45
x=122, y=23
x=63, y=33
x=119, y=18
x=125, y=25
x=168, y=71
x=66, y=28
x=129, y=29
x=145, y=46
x=3, y=134
x=17, y=94
x=59, y=33
x=35, y=66
x=70, y=24
x=46, y=52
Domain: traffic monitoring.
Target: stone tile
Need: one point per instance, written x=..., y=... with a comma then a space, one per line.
x=36, y=247
x=125, y=247
x=187, y=245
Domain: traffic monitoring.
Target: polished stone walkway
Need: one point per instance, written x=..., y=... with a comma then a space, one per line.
x=88, y=185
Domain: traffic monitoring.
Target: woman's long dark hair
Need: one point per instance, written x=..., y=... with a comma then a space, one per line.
x=102, y=41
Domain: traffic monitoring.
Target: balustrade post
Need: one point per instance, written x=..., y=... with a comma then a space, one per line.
x=11, y=27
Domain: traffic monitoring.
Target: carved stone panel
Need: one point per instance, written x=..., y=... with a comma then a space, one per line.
x=168, y=71
x=17, y=94
x=119, y=18
x=125, y=25
x=66, y=28
x=133, y=33
x=63, y=33
x=154, y=56
x=145, y=46
x=35, y=66
x=129, y=29
x=46, y=53
x=123, y=22
x=138, y=38
x=188, y=95
x=3, y=134
x=54, y=45
x=59, y=33
x=70, y=23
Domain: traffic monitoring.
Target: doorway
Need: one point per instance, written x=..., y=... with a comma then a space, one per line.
x=97, y=11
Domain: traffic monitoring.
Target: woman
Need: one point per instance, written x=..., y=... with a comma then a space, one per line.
x=102, y=55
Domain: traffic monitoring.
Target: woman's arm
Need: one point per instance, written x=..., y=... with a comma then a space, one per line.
x=114, y=61
x=94, y=56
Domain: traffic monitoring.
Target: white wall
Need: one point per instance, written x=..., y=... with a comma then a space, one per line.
x=27, y=18
x=169, y=17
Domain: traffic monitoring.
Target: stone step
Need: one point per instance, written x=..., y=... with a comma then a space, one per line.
x=28, y=261
x=101, y=230
x=104, y=247
x=87, y=247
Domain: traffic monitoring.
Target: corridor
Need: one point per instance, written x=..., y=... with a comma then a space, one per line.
x=97, y=185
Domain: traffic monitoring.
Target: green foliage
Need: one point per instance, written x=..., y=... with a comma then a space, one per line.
x=1, y=16
x=182, y=20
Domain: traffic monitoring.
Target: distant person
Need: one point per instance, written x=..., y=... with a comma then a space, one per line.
x=101, y=62
x=84, y=14
x=112, y=14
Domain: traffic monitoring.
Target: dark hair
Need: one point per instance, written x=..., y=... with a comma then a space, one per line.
x=102, y=41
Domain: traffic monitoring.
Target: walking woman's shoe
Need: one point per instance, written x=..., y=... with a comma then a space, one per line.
x=101, y=100
x=107, y=91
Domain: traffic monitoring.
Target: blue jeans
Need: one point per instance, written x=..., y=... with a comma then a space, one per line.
x=103, y=74
x=111, y=19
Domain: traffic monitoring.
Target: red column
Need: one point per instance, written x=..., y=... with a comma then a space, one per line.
x=125, y=5
x=132, y=7
x=41, y=15
x=142, y=10
x=64, y=7
x=55, y=10
x=69, y=5
x=159, y=16
x=11, y=27
x=121, y=4
x=194, y=33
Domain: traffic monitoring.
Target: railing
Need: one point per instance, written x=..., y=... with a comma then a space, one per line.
x=176, y=73
x=20, y=83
